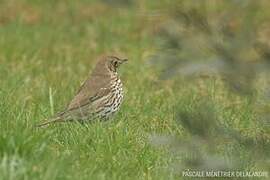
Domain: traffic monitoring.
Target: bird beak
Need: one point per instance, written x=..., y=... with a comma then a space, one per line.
x=124, y=60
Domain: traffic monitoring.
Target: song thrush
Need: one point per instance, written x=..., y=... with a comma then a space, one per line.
x=99, y=97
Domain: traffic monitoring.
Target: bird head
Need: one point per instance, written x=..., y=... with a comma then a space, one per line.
x=114, y=62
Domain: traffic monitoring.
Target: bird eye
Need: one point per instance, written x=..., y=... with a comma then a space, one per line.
x=115, y=63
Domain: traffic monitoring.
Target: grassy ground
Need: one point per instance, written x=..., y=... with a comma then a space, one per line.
x=47, y=48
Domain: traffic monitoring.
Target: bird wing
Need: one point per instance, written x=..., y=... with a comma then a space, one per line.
x=90, y=91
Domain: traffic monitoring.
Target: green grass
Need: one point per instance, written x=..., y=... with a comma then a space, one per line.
x=56, y=51
x=47, y=48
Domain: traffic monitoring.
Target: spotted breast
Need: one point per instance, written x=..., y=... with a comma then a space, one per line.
x=114, y=98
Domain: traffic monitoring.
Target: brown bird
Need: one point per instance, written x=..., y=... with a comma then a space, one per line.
x=99, y=97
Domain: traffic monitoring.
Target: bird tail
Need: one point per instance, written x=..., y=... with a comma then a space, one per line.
x=52, y=120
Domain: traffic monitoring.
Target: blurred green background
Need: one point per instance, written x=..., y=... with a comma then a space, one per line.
x=197, y=89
